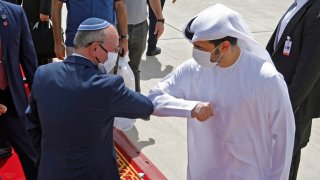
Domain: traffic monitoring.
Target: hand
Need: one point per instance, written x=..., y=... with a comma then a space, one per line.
x=159, y=29
x=123, y=45
x=202, y=111
x=3, y=109
x=60, y=50
x=44, y=17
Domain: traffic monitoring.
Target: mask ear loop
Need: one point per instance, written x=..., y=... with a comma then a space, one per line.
x=187, y=32
x=103, y=50
x=214, y=51
x=100, y=65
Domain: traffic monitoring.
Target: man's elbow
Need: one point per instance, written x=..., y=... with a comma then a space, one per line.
x=150, y=108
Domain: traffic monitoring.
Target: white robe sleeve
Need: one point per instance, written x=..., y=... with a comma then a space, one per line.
x=282, y=127
x=168, y=97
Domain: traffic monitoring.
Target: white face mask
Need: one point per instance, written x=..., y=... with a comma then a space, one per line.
x=111, y=61
x=203, y=58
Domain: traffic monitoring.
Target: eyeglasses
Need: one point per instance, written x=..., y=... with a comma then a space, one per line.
x=104, y=49
x=115, y=49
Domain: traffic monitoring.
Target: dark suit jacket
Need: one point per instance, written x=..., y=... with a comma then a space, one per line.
x=17, y=49
x=33, y=8
x=72, y=107
x=14, y=1
x=301, y=69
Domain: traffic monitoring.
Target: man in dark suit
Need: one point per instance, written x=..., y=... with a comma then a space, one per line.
x=73, y=105
x=16, y=49
x=294, y=48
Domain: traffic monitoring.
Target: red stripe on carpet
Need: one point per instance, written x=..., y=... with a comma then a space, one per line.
x=137, y=158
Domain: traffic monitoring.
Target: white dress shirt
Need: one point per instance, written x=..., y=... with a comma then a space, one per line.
x=288, y=16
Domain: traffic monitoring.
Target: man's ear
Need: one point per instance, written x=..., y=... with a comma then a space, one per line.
x=225, y=46
x=93, y=50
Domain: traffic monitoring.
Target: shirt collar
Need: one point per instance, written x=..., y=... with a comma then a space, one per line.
x=80, y=60
x=79, y=55
x=301, y=2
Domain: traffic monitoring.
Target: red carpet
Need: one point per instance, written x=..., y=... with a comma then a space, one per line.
x=10, y=168
x=132, y=164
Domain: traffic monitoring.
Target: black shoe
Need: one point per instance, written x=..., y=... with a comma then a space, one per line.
x=154, y=52
x=5, y=152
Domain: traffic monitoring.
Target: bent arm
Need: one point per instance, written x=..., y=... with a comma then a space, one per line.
x=127, y=103
x=168, y=105
x=168, y=96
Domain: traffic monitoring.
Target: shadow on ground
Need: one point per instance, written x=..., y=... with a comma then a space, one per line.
x=133, y=135
x=151, y=68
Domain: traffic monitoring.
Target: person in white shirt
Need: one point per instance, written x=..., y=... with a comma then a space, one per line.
x=240, y=120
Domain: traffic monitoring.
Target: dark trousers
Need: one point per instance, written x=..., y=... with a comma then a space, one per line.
x=137, y=45
x=43, y=61
x=152, y=40
x=302, y=135
x=13, y=128
x=295, y=165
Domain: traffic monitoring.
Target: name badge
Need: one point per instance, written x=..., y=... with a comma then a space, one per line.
x=287, y=46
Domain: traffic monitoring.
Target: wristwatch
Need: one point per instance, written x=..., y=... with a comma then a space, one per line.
x=124, y=36
x=160, y=20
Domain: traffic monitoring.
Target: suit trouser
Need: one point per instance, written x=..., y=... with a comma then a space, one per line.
x=302, y=135
x=137, y=45
x=152, y=39
x=14, y=129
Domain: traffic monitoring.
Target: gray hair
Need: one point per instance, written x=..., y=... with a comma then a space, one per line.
x=86, y=38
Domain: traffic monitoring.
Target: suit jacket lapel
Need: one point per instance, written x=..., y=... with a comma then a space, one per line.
x=4, y=29
x=295, y=19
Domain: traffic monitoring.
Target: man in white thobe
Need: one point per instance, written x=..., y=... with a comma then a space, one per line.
x=240, y=121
